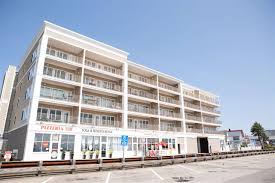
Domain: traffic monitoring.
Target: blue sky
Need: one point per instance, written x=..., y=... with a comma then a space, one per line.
x=227, y=47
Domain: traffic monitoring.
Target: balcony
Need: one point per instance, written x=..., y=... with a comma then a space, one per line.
x=168, y=100
x=172, y=114
x=191, y=94
x=102, y=67
x=140, y=109
x=164, y=127
x=193, y=130
x=60, y=74
x=138, y=126
x=193, y=118
x=211, y=120
x=212, y=100
x=168, y=87
x=63, y=55
x=93, y=122
x=141, y=93
x=142, y=79
x=102, y=84
x=58, y=94
x=192, y=106
x=213, y=131
x=210, y=109
x=99, y=103
x=57, y=119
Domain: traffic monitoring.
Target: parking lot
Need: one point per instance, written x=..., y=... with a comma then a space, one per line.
x=250, y=169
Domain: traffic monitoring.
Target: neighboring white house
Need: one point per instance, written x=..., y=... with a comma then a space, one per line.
x=271, y=136
x=234, y=139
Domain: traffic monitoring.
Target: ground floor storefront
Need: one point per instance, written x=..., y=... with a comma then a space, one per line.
x=56, y=142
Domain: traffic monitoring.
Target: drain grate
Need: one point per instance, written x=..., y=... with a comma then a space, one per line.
x=182, y=179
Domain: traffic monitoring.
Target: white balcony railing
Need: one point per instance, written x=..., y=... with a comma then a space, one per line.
x=104, y=85
x=168, y=100
x=63, y=55
x=193, y=118
x=58, y=119
x=190, y=105
x=63, y=76
x=103, y=67
x=168, y=87
x=169, y=114
x=211, y=120
x=142, y=110
x=209, y=99
x=61, y=96
x=142, y=79
x=138, y=126
x=94, y=102
x=191, y=94
x=102, y=123
x=194, y=130
x=141, y=93
x=210, y=109
x=212, y=131
x=164, y=127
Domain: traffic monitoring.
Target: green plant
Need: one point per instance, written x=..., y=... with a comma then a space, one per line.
x=269, y=147
x=258, y=131
x=97, y=152
x=110, y=151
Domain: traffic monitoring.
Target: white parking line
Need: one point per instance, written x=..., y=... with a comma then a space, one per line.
x=47, y=180
x=191, y=169
x=157, y=174
x=108, y=177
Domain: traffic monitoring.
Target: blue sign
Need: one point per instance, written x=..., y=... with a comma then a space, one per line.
x=124, y=140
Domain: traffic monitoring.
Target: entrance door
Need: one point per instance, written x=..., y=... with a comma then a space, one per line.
x=103, y=146
x=55, y=147
x=203, y=145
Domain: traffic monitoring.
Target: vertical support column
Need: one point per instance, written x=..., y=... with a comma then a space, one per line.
x=202, y=126
x=183, y=123
x=42, y=47
x=81, y=87
x=125, y=96
x=182, y=109
x=77, y=143
x=159, y=128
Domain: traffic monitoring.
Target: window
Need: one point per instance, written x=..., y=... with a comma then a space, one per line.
x=55, y=115
x=168, y=144
x=14, y=120
x=164, y=144
x=27, y=94
x=236, y=138
x=48, y=71
x=23, y=115
x=42, y=114
x=67, y=142
x=86, y=118
x=18, y=100
x=41, y=142
x=31, y=72
x=34, y=55
x=130, y=148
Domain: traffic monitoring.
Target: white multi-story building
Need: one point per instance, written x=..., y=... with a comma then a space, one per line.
x=75, y=95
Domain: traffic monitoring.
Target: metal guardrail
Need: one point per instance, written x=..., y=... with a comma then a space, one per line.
x=36, y=168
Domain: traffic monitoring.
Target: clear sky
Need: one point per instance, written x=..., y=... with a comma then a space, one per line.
x=227, y=47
